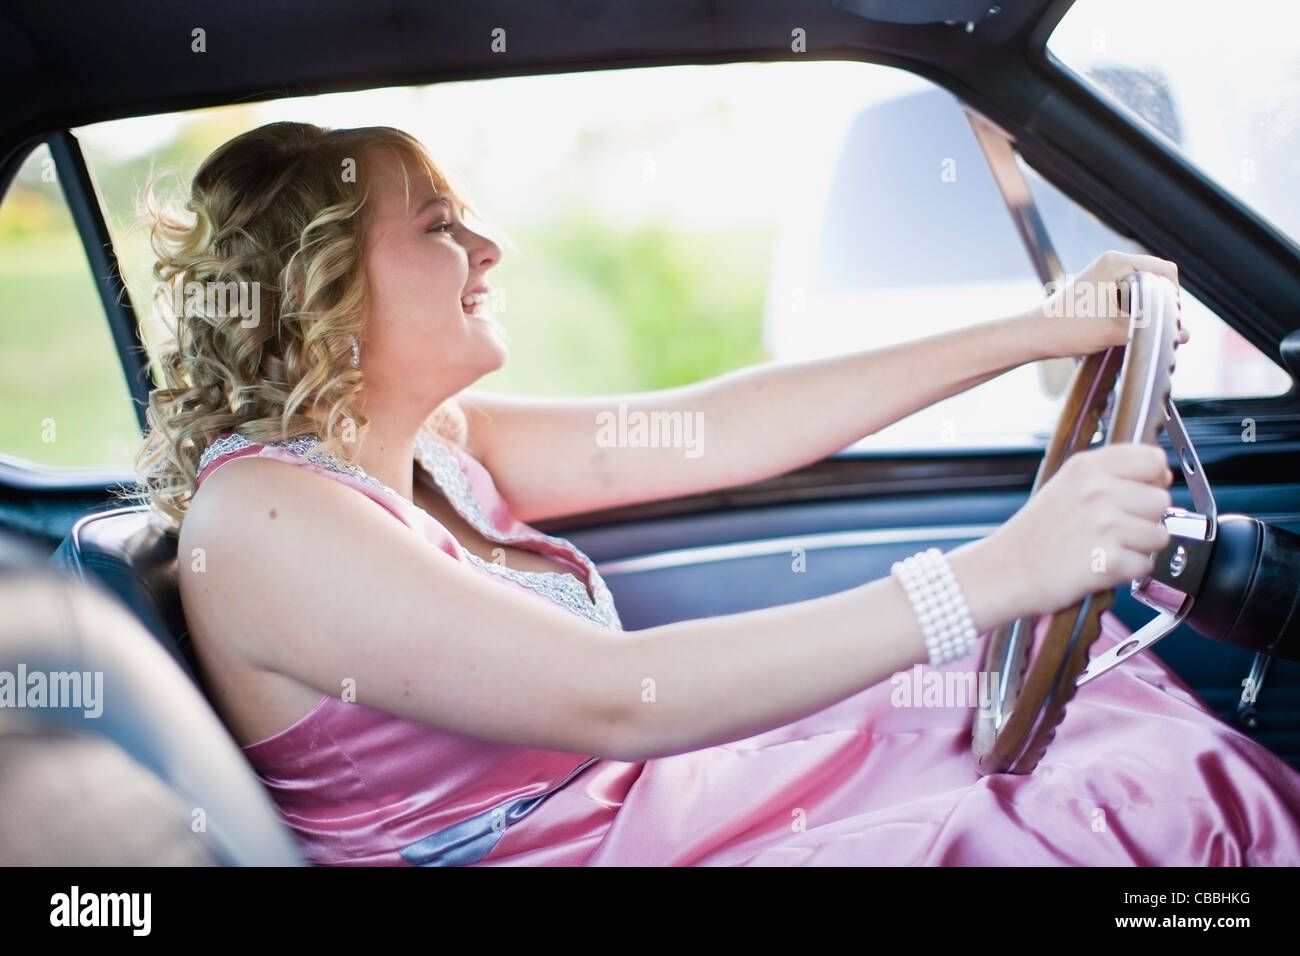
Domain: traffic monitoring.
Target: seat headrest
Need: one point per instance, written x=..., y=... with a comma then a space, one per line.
x=134, y=557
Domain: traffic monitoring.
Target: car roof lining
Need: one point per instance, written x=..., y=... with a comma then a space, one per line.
x=257, y=49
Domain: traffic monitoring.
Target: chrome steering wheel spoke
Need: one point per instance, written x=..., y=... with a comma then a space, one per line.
x=1175, y=580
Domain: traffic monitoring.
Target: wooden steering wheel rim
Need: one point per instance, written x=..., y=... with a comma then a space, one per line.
x=1012, y=734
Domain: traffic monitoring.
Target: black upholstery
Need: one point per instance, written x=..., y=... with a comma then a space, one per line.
x=136, y=560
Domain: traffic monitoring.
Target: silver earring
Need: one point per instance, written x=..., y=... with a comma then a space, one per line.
x=356, y=353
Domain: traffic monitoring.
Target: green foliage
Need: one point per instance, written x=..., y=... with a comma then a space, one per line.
x=57, y=360
x=591, y=309
x=594, y=310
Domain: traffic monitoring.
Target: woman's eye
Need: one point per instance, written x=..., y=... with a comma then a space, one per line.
x=441, y=226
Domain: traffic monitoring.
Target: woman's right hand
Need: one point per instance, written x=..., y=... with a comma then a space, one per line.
x=1095, y=524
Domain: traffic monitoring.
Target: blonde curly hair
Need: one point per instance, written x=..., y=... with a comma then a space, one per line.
x=273, y=211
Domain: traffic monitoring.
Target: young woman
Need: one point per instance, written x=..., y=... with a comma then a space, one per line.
x=454, y=687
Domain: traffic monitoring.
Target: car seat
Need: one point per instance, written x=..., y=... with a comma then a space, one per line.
x=154, y=778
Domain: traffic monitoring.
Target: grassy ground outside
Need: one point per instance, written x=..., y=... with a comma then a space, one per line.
x=589, y=310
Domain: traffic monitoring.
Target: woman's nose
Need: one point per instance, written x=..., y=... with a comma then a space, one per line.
x=485, y=253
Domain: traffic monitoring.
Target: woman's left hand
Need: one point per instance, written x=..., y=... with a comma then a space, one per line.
x=1087, y=310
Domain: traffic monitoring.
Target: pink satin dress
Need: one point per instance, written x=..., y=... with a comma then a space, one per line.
x=1141, y=771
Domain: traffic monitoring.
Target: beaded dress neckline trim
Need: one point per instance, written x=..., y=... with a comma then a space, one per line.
x=445, y=471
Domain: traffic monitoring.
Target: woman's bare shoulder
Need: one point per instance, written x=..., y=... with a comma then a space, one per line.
x=248, y=528
x=224, y=501
x=220, y=542
x=226, y=516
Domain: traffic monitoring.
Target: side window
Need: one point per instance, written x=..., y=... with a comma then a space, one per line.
x=63, y=397
x=1223, y=91
x=636, y=259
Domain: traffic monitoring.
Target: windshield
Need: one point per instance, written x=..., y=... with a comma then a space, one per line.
x=1221, y=84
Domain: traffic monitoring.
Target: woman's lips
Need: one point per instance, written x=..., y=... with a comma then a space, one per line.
x=477, y=305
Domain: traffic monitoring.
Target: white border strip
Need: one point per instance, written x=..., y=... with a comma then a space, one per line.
x=811, y=542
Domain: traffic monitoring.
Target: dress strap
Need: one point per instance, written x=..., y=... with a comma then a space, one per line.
x=458, y=475
x=233, y=445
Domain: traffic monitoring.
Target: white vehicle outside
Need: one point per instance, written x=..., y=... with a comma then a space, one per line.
x=906, y=233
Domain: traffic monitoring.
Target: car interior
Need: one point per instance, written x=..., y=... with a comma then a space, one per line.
x=89, y=585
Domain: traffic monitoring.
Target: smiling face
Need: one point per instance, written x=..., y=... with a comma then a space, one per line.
x=421, y=259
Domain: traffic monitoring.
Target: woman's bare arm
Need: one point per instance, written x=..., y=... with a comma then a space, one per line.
x=550, y=457
x=307, y=578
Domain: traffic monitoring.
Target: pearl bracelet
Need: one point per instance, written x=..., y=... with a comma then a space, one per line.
x=939, y=605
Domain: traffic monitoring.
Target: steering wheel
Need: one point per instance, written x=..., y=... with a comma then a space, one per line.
x=1011, y=732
